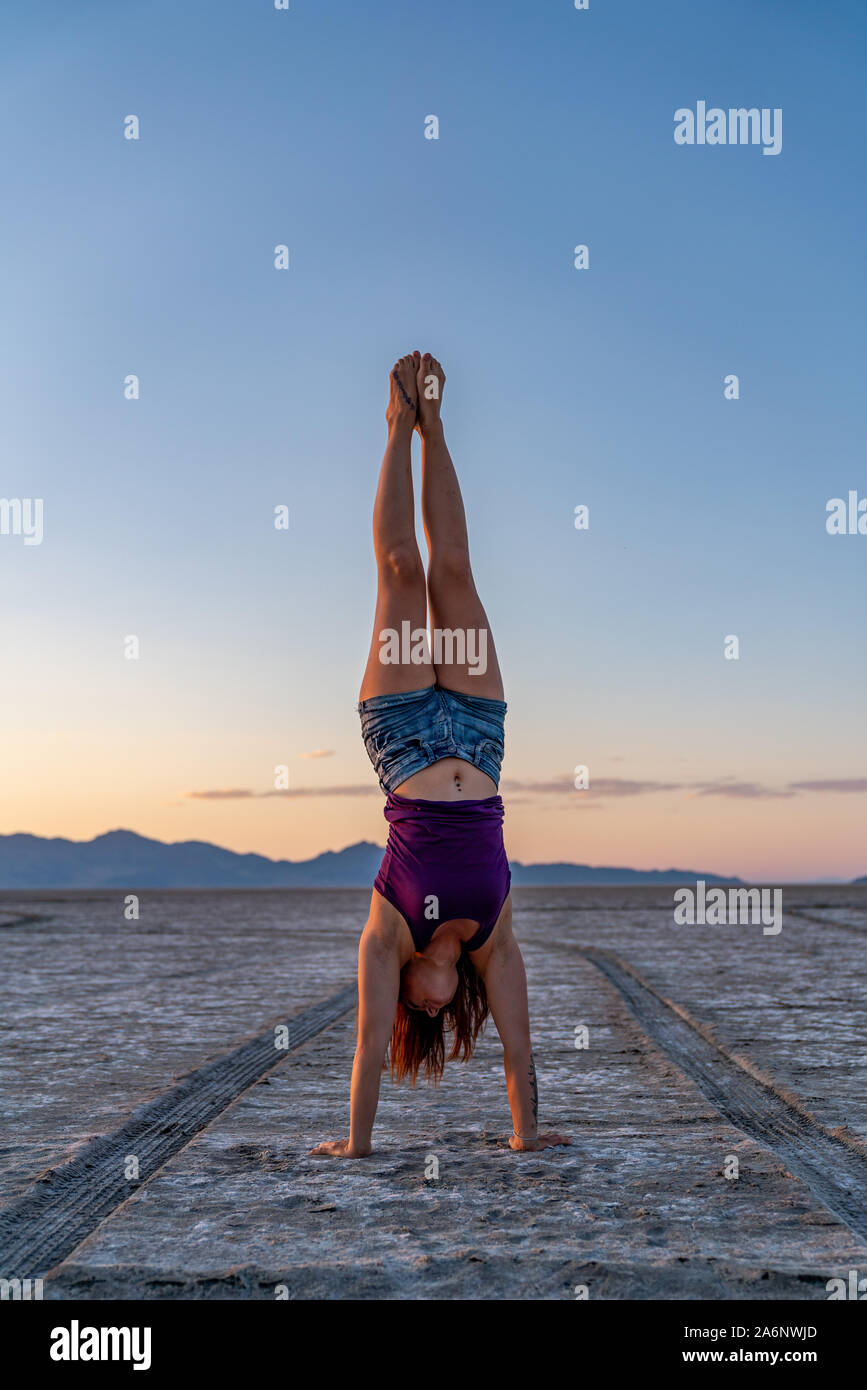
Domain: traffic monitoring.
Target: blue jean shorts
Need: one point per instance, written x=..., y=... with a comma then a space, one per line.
x=409, y=731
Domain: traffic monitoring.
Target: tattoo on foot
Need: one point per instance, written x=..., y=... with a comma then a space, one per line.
x=534, y=1088
x=406, y=398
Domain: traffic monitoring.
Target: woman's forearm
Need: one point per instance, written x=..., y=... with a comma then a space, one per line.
x=523, y=1093
x=364, y=1098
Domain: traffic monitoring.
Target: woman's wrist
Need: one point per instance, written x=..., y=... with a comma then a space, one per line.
x=359, y=1140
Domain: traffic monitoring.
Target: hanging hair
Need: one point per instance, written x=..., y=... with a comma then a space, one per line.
x=418, y=1042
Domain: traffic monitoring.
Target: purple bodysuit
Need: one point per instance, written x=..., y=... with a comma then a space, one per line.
x=445, y=860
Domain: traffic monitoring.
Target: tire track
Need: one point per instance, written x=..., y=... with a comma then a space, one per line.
x=826, y=921
x=834, y=1168
x=27, y=920
x=67, y=1203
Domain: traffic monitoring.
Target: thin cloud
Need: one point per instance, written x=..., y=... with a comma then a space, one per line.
x=318, y=753
x=622, y=786
x=526, y=790
x=246, y=794
x=599, y=786
x=361, y=789
x=221, y=794
x=832, y=784
x=741, y=791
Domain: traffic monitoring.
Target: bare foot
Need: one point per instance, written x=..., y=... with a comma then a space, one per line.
x=338, y=1148
x=430, y=381
x=542, y=1141
x=402, y=395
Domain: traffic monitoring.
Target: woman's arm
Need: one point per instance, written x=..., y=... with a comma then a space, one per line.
x=378, y=989
x=506, y=984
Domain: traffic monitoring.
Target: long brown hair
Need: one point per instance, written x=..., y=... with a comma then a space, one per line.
x=418, y=1042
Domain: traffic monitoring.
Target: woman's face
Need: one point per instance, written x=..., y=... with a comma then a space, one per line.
x=427, y=986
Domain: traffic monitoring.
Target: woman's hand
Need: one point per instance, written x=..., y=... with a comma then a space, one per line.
x=541, y=1141
x=339, y=1148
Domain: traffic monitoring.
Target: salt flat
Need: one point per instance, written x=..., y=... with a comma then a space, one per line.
x=102, y=1015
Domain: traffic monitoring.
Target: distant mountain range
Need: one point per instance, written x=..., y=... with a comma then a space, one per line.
x=122, y=859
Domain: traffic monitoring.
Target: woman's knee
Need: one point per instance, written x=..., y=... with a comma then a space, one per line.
x=450, y=569
x=400, y=567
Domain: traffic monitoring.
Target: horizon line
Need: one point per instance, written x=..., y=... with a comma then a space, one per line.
x=524, y=864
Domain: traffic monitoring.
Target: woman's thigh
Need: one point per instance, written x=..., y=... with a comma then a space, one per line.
x=399, y=657
x=463, y=651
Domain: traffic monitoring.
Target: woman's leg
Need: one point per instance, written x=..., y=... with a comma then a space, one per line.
x=401, y=596
x=455, y=607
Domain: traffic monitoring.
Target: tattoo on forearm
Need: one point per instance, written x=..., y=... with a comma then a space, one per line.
x=406, y=398
x=534, y=1089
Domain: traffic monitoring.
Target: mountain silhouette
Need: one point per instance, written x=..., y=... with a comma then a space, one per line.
x=123, y=859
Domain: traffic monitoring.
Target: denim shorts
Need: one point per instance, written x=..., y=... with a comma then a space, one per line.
x=409, y=731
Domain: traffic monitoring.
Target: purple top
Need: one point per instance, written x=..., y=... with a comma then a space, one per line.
x=445, y=860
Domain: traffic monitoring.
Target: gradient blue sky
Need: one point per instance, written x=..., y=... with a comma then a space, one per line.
x=260, y=387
